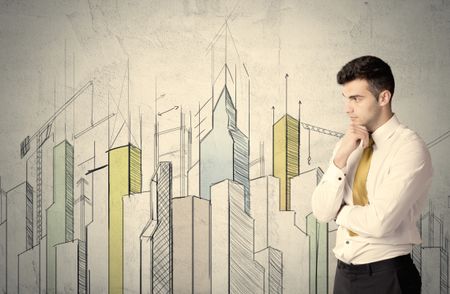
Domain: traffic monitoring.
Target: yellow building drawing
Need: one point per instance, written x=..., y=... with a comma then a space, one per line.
x=125, y=176
x=285, y=156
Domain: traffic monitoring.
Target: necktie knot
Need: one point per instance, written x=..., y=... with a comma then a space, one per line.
x=371, y=142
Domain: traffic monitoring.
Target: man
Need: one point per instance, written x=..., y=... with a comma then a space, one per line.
x=375, y=187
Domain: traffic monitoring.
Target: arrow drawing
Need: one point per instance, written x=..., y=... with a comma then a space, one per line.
x=173, y=108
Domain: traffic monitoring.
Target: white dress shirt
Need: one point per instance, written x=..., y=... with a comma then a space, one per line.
x=397, y=185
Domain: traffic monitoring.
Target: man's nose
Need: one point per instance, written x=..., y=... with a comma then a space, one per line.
x=348, y=107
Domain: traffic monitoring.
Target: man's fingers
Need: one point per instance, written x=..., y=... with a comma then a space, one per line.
x=360, y=127
x=365, y=142
x=359, y=133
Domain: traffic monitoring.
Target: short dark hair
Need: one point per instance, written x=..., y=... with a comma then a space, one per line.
x=375, y=71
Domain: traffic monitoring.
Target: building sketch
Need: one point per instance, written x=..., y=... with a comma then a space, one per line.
x=434, y=248
x=28, y=274
x=179, y=151
x=71, y=260
x=276, y=229
x=17, y=240
x=60, y=213
x=191, y=245
x=162, y=235
x=97, y=229
x=136, y=214
x=225, y=146
x=286, y=153
x=234, y=268
x=272, y=261
x=124, y=169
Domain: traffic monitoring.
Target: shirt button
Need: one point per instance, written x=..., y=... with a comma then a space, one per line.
x=347, y=242
x=339, y=178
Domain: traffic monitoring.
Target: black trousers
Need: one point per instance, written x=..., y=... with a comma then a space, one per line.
x=392, y=276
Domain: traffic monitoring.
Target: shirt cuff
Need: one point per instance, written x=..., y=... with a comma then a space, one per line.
x=342, y=218
x=335, y=173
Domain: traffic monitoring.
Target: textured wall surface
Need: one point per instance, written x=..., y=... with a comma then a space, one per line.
x=181, y=53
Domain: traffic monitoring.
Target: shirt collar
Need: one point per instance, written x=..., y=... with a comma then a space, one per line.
x=385, y=131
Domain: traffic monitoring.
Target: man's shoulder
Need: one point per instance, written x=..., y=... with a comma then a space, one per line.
x=409, y=150
x=405, y=134
x=406, y=138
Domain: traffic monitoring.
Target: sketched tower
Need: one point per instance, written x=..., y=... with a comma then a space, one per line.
x=318, y=250
x=16, y=233
x=233, y=266
x=60, y=213
x=224, y=150
x=162, y=236
x=285, y=156
x=124, y=168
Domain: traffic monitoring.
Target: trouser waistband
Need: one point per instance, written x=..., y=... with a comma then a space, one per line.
x=376, y=266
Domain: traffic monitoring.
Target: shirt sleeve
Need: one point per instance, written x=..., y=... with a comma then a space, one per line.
x=408, y=179
x=328, y=195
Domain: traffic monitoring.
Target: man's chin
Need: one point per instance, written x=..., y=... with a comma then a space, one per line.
x=357, y=122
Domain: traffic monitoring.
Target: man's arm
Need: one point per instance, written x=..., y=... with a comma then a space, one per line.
x=328, y=195
x=409, y=179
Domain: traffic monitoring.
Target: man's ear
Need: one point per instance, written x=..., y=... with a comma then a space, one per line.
x=384, y=98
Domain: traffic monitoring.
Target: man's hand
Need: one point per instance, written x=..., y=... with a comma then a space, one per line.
x=351, y=141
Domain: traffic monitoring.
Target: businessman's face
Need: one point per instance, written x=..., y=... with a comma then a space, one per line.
x=360, y=104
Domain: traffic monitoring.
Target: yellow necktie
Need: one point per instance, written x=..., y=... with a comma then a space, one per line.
x=359, y=183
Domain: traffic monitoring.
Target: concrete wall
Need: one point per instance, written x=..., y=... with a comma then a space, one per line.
x=49, y=51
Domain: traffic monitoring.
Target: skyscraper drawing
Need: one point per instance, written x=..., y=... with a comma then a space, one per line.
x=224, y=150
x=16, y=234
x=124, y=168
x=191, y=245
x=136, y=215
x=162, y=236
x=234, y=268
x=318, y=250
x=60, y=213
x=285, y=156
